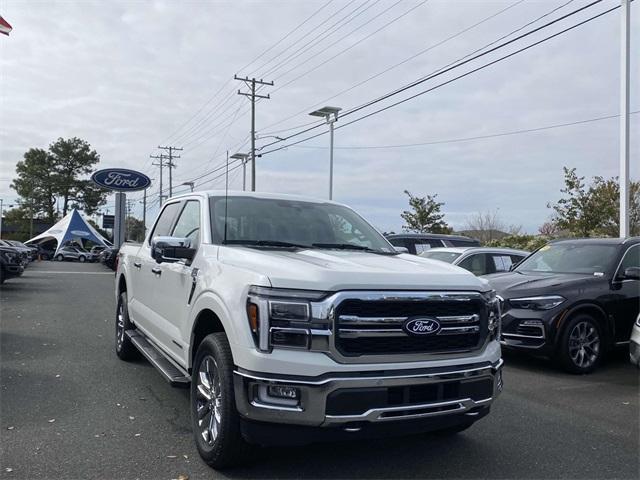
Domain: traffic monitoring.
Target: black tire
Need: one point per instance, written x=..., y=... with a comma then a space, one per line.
x=59, y=257
x=225, y=447
x=124, y=348
x=82, y=259
x=582, y=332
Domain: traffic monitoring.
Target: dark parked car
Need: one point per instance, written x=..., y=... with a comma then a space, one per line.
x=10, y=263
x=417, y=243
x=108, y=256
x=572, y=300
x=478, y=260
x=24, y=254
x=32, y=251
x=45, y=253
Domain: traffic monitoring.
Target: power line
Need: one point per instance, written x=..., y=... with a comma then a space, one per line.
x=453, y=66
x=349, y=47
x=448, y=81
x=286, y=36
x=322, y=36
x=255, y=71
x=466, y=139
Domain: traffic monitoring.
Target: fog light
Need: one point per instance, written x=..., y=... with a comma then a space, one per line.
x=281, y=395
x=283, y=391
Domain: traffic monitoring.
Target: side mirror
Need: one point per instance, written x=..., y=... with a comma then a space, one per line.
x=401, y=249
x=631, y=273
x=172, y=249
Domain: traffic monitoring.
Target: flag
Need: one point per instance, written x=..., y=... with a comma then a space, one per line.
x=5, y=28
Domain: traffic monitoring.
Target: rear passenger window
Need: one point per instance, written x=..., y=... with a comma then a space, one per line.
x=502, y=263
x=165, y=221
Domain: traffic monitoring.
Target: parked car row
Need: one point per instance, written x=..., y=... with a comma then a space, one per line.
x=14, y=258
x=571, y=300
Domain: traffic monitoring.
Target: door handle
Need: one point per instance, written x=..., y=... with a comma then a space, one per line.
x=156, y=271
x=137, y=264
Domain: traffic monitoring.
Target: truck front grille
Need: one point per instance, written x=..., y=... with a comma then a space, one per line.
x=375, y=327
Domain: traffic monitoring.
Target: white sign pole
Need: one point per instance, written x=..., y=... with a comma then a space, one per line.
x=624, y=118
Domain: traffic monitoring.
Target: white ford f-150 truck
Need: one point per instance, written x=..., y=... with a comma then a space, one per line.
x=294, y=320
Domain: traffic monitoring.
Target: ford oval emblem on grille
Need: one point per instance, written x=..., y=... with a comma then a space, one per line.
x=421, y=326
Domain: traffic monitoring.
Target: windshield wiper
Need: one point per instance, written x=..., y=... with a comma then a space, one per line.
x=265, y=243
x=351, y=246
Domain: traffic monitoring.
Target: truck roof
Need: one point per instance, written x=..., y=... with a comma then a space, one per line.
x=268, y=195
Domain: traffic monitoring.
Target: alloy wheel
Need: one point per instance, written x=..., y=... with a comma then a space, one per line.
x=584, y=344
x=209, y=400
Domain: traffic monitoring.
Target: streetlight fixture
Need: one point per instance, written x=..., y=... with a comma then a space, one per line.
x=330, y=114
x=243, y=157
x=189, y=184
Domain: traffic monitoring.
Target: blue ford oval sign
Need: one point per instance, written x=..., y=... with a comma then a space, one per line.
x=121, y=179
x=421, y=326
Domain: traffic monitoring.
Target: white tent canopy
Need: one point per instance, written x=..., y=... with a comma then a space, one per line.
x=71, y=227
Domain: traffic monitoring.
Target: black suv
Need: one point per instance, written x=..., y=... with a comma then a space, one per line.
x=571, y=300
x=417, y=243
x=10, y=263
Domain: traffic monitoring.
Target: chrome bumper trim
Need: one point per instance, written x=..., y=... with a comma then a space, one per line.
x=314, y=394
x=428, y=410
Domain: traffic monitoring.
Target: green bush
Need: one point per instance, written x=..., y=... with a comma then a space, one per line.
x=520, y=242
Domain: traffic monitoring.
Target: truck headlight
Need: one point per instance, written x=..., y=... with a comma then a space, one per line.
x=280, y=318
x=543, y=302
x=494, y=314
x=10, y=257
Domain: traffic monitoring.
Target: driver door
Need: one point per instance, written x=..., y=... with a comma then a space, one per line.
x=174, y=288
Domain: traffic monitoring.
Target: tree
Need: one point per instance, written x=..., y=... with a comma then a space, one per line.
x=44, y=176
x=36, y=184
x=593, y=210
x=426, y=216
x=73, y=158
x=488, y=226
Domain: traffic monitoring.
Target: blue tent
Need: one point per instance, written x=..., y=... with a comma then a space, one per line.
x=72, y=228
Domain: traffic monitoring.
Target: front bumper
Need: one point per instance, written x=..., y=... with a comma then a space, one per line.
x=13, y=270
x=529, y=330
x=356, y=399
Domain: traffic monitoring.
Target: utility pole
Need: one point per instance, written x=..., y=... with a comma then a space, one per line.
x=159, y=163
x=144, y=212
x=625, y=13
x=170, y=164
x=251, y=84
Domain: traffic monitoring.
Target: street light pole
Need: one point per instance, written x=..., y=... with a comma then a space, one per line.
x=330, y=114
x=624, y=118
x=243, y=157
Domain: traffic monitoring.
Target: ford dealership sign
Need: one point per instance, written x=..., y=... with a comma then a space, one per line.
x=121, y=179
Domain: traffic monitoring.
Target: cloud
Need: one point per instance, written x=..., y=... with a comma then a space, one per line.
x=126, y=75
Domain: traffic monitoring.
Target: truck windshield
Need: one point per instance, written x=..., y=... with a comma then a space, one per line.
x=265, y=222
x=570, y=258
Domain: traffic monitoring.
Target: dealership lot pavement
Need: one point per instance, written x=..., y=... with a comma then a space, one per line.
x=70, y=409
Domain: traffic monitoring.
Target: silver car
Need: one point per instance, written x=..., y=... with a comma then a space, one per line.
x=74, y=253
x=478, y=260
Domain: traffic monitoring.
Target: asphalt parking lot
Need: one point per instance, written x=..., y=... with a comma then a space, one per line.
x=70, y=409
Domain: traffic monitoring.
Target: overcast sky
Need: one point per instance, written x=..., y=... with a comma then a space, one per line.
x=129, y=76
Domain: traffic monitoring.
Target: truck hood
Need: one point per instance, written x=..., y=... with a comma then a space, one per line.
x=332, y=270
